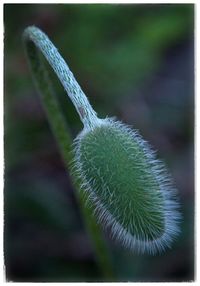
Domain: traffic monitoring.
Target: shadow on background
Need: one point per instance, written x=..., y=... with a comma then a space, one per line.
x=133, y=61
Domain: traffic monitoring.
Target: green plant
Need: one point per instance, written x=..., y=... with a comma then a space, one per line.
x=64, y=140
x=127, y=188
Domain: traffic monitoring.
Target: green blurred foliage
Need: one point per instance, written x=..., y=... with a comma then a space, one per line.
x=133, y=61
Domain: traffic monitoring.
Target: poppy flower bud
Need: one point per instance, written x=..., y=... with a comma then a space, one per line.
x=130, y=189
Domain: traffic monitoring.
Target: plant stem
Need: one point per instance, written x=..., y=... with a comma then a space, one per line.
x=86, y=112
x=36, y=40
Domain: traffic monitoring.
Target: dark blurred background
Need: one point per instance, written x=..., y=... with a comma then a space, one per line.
x=133, y=61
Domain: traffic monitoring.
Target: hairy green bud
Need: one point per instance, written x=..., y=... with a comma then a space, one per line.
x=131, y=190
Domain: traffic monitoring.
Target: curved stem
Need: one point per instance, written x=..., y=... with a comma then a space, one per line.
x=86, y=112
x=62, y=134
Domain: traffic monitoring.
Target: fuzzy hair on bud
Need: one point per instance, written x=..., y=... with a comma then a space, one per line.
x=132, y=193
